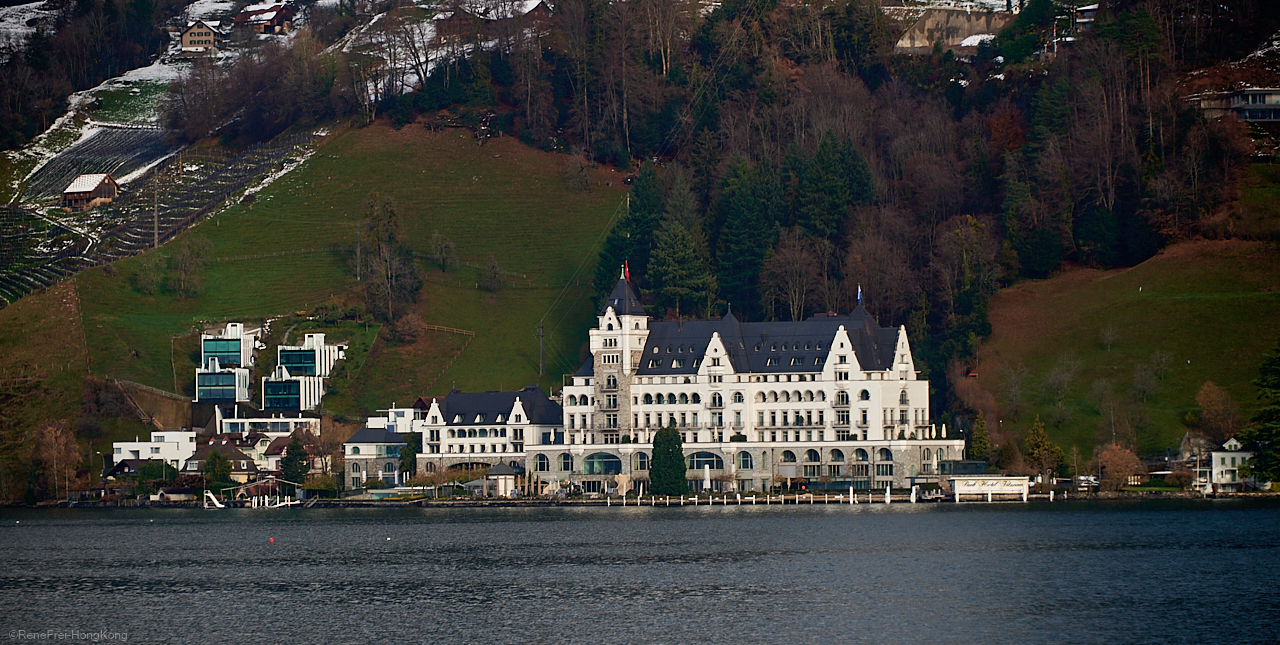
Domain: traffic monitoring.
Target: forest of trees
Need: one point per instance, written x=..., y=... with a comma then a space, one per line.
x=88, y=42
x=793, y=159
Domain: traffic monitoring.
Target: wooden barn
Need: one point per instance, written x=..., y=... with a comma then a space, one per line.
x=89, y=191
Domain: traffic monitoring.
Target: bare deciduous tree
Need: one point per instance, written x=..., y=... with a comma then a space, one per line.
x=791, y=275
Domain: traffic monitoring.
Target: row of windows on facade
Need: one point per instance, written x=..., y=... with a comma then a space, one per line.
x=611, y=382
x=605, y=463
x=389, y=467
x=480, y=418
x=380, y=451
x=774, y=419
x=497, y=447
x=717, y=400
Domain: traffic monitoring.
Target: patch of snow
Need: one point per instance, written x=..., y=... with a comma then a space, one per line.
x=14, y=28
x=161, y=71
x=290, y=166
x=1270, y=48
x=143, y=170
x=203, y=9
x=976, y=40
x=996, y=77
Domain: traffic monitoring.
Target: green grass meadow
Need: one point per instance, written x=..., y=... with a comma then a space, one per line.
x=1214, y=307
x=502, y=199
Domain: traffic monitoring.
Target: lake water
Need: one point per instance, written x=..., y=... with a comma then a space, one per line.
x=1073, y=572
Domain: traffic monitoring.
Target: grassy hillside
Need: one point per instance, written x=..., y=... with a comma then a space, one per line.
x=1212, y=307
x=502, y=199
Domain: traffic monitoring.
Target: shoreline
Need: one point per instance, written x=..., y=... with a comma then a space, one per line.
x=773, y=500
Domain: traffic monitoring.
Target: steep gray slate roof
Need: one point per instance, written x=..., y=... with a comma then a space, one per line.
x=537, y=407
x=375, y=435
x=623, y=300
x=750, y=345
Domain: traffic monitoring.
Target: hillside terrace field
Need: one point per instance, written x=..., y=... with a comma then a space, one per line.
x=502, y=198
x=1214, y=307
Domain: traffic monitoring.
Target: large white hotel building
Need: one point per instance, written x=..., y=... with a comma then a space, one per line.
x=829, y=402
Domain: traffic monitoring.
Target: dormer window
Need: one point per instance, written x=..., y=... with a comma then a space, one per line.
x=457, y=418
x=500, y=418
x=479, y=418
x=773, y=347
x=655, y=350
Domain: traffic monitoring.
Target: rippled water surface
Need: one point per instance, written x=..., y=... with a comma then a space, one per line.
x=1122, y=572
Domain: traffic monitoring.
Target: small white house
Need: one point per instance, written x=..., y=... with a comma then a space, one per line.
x=1224, y=467
x=173, y=447
x=374, y=453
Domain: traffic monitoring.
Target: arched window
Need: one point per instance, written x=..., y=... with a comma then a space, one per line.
x=472, y=433
x=684, y=398
x=695, y=398
x=648, y=398
x=737, y=397
x=637, y=326
x=355, y=468
x=902, y=398
x=788, y=457
x=885, y=455
x=573, y=400
x=355, y=450
x=566, y=462
x=860, y=454
x=822, y=396
x=640, y=461
x=671, y=398
x=842, y=398
x=744, y=460
x=837, y=455
x=717, y=400
x=760, y=397
x=429, y=467
x=812, y=456
x=610, y=328
x=928, y=455
x=483, y=433
x=541, y=463
x=796, y=396
x=611, y=382
x=864, y=396
x=773, y=397
x=391, y=467
x=786, y=397
x=601, y=463
x=700, y=459
x=808, y=395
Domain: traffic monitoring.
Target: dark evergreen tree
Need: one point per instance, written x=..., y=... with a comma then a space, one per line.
x=678, y=271
x=1264, y=438
x=631, y=240
x=217, y=468
x=979, y=439
x=295, y=465
x=409, y=454
x=750, y=203
x=824, y=196
x=667, y=469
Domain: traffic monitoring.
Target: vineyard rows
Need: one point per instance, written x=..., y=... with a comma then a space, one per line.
x=118, y=151
x=168, y=199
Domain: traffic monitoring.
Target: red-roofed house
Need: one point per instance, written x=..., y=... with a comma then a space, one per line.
x=268, y=18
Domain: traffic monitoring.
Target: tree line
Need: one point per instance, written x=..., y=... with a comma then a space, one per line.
x=88, y=42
